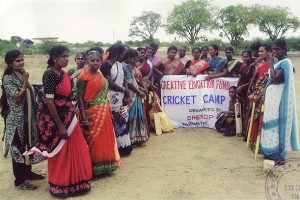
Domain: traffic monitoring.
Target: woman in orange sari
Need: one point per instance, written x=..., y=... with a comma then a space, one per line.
x=95, y=115
x=197, y=65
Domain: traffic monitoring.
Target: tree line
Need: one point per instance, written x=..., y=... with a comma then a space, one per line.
x=189, y=20
x=193, y=17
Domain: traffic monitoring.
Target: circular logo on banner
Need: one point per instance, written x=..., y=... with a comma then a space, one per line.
x=283, y=181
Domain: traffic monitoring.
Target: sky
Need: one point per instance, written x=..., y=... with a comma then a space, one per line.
x=100, y=20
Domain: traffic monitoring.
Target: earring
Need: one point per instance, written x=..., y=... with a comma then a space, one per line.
x=55, y=61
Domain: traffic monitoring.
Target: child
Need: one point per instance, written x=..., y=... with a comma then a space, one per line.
x=226, y=119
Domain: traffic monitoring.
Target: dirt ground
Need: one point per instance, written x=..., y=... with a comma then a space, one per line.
x=196, y=163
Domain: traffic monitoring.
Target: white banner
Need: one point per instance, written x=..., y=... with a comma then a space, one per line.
x=193, y=101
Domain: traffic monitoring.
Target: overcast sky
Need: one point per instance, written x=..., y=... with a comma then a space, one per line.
x=98, y=20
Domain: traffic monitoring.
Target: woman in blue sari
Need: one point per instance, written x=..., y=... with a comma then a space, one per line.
x=137, y=121
x=215, y=59
x=279, y=129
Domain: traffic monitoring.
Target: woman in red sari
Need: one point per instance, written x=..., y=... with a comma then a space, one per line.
x=197, y=65
x=261, y=76
x=62, y=142
x=95, y=115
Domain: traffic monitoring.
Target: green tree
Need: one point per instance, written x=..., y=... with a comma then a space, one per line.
x=234, y=21
x=145, y=26
x=15, y=39
x=189, y=18
x=275, y=22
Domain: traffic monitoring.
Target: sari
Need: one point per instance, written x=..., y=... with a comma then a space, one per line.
x=280, y=129
x=137, y=122
x=154, y=59
x=214, y=62
x=226, y=122
x=197, y=66
x=172, y=67
x=100, y=138
x=69, y=162
x=231, y=65
x=245, y=72
x=262, y=79
x=146, y=70
x=116, y=105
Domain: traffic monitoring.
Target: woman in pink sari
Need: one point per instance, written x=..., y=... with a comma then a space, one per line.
x=61, y=139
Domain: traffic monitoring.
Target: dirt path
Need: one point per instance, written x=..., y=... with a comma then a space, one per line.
x=187, y=164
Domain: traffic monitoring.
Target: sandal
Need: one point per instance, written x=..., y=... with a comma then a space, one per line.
x=26, y=186
x=239, y=134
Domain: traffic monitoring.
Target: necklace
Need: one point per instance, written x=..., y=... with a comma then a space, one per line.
x=56, y=71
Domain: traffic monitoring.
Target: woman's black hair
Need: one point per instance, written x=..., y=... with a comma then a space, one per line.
x=54, y=53
x=141, y=49
x=255, y=46
x=148, y=47
x=9, y=58
x=115, y=50
x=130, y=53
x=81, y=53
x=172, y=48
x=267, y=47
x=248, y=51
x=204, y=47
x=216, y=48
x=232, y=87
x=281, y=44
x=99, y=49
x=154, y=45
x=194, y=48
x=230, y=49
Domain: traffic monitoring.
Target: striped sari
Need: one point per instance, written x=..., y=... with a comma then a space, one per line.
x=137, y=121
x=280, y=129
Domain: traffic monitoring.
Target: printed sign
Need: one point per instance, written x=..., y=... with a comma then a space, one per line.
x=194, y=101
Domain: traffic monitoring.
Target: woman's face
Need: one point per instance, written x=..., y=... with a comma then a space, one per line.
x=212, y=52
x=181, y=52
x=80, y=60
x=232, y=93
x=228, y=54
x=196, y=54
x=149, y=53
x=142, y=55
x=172, y=53
x=204, y=51
x=133, y=60
x=94, y=62
x=63, y=59
x=262, y=52
x=278, y=52
x=246, y=58
x=18, y=63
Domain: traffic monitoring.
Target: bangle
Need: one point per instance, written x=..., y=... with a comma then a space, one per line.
x=123, y=89
x=22, y=89
x=84, y=121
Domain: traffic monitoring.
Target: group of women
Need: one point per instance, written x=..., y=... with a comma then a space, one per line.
x=266, y=92
x=101, y=109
